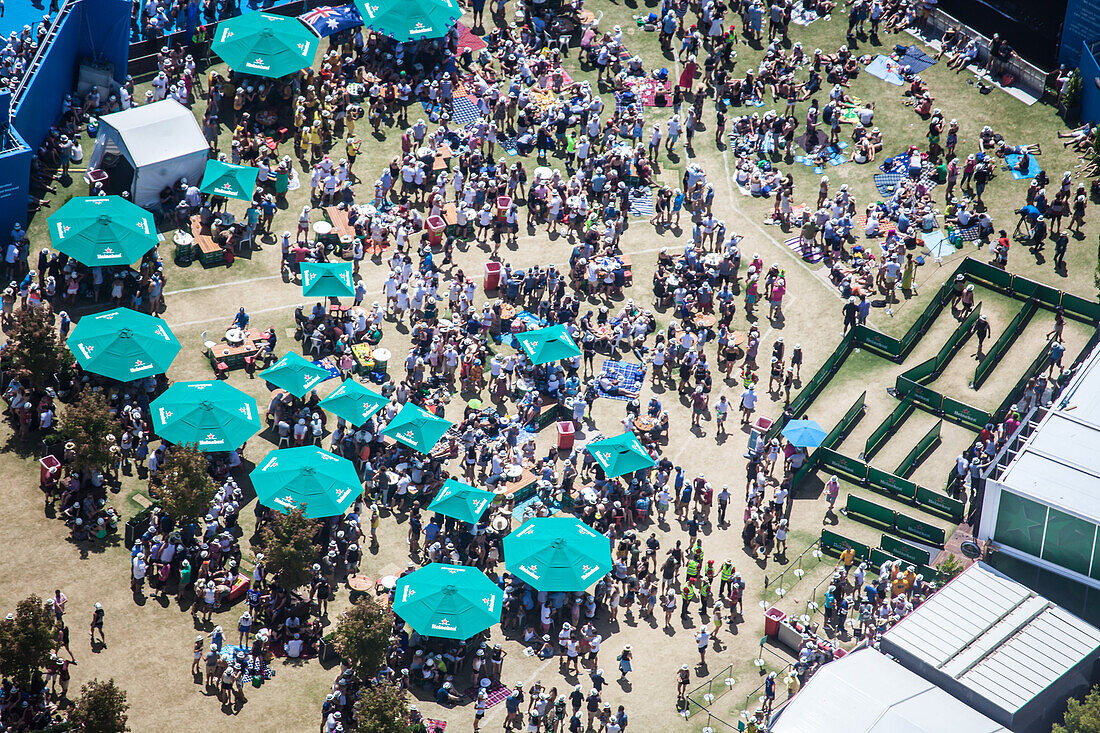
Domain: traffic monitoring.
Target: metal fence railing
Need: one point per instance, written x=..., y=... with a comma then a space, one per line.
x=782, y=583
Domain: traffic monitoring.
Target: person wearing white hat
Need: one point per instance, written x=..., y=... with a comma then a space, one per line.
x=97, y=624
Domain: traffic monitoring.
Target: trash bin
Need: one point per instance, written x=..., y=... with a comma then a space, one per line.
x=772, y=618
x=51, y=467
x=565, y=435
x=436, y=226
x=492, y=275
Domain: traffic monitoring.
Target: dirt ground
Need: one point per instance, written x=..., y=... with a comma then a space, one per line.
x=148, y=645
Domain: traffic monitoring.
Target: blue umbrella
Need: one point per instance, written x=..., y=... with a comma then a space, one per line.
x=804, y=433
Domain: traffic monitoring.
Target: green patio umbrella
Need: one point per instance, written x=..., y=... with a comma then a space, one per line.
x=416, y=428
x=264, y=44
x=327, y=280
x=557, y=554
x=123, y=344
x=552, y=343
x=211, y=415
x=102, y=230
x=448, y=601
x=295, y=374
x=619, y=455
x=461, y=501
x=318, y=482
x=353, y=402
x=409, y=21
x=231, y=181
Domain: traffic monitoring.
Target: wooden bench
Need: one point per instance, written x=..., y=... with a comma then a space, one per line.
x=339, y=220
x=210, y=253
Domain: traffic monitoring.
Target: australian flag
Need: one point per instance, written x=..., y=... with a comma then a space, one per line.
x=326, y=20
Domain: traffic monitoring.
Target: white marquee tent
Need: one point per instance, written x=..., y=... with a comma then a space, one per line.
x=146, y=148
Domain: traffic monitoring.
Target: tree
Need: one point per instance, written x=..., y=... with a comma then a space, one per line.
x=26, y=640
x=101, y=708
x=1081, y=716
x=184, y=487
x=289, y=549
x=362, y=636
x=382, y=709
x=36, y=347
x=86, y=423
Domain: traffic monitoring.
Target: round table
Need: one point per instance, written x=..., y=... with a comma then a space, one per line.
x=360, y=585
x=388, y=582
x=381, y=358
x=182, y=237
x=602, y=331
x=499, y=523
x=705, y=320
x=507, y=311
x=644, y=423
x=322, y=228
x=713, y=259
x=234, y=336
x=444, y=323
x=738, y=338
x=513, y=472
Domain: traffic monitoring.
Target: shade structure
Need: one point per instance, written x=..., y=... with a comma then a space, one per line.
x=228, y=180
x=353, y=402
x=327, y=280
x=102, y=230
x=552, y=343
x=449, y=601
x=314, y=480
x=264, y=44
x=416, y=428
x=123, y=344
x=295, y=374
x=411, y=20
x=557, y=554
x=621, y=454
x=804, y=433
x=211, y=415
x=461, y=501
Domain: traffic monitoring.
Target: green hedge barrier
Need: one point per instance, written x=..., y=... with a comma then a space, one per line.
x=921, y=371
x=846, y=422
x=1004, y=342
x=919, y=451
x=843, y=464
x=882, y=432
x=904, y=550
x=860, y=507
x=921, y=530
x=891, y=483
x=833, y=542
x=929, y=499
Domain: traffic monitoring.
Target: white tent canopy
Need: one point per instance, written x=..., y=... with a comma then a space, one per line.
x=162, y=142
x=866, y=692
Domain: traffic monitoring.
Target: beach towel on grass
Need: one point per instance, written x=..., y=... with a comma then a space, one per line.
x=897, y=164
x=641, y=201
x=804, y=250
x=970, y=234
x=1012, y=159
x=631, y=376
x=937, y=244
x=887, y=69
x=887, y=183
x=467, y=39
x=464, y=111
x=496, y=692
x=810, y=146
x=801, y=16
x=916, y=59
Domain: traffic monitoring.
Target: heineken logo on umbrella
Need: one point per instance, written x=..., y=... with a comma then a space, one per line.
x=271, y=464
x=63, y=229
x=304, y=48
x=140, y=366
x=258, y=64
x=287, y=503
x=371, y=9
x=211, y=439
x=245, y=410
x=587, y=571
x=107, y=254
x=419, y=28
x=165, y=414
x=225, y=190
x=490, y=603
x=444, y=624
x=227, y=33
x=531, y=570
x=86, y=350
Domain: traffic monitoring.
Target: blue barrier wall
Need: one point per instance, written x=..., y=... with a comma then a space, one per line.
x=39, y=106
x=105, y=33
x=1090, y=95
x=15, y=170
x=1081, y=25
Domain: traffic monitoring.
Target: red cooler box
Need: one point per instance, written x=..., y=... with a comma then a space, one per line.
x=436, y=226
x=772, y=618
x=492, y=275
x=565, y=435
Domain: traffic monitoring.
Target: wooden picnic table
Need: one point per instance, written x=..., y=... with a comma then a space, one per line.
x=210, y=253
x=450, y=214
x=234, y=355
x=443, y=155
x=511, y=488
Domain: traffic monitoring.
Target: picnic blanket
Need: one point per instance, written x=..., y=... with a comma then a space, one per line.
x=887, y=69
x=887, y=183
x=468, y=39
x=937, y=244
x=641, y=201
x=804, y=141
x=1012, y=160
x=806, y=252
x=970, y=234
x=631, y=376
x=509, y=143
x=526, y=317
x=645, y=90
x=431, y=725
x=465, y=111
x=496, y=692
x=897, y=164
x=801, y=16
x=517, y=513
x=329, y=364
x=252, y=665
x=916, y=59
